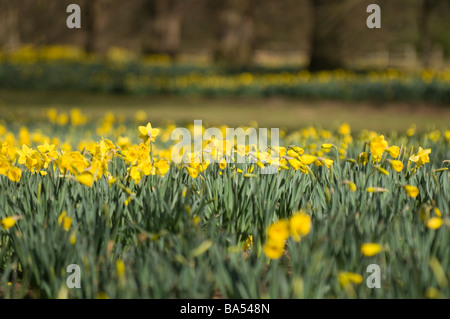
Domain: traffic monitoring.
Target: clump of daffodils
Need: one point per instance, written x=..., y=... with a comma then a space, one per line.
x=298, y=226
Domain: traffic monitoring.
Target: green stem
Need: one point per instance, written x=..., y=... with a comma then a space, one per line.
x=151, y=152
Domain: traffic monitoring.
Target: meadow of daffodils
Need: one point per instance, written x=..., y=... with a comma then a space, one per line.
x=108, y=195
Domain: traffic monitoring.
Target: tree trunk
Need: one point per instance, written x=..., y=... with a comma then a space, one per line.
x=9, y=25
x=325, y=47
x=163, y=28
x=236, y=33
x=89, y=25
x=426, y=42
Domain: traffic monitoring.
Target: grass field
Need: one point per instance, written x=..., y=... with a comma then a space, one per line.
x=274, y=112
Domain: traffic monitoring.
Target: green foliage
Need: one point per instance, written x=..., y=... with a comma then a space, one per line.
x=182, y=237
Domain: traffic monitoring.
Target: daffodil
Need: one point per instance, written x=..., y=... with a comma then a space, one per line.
x=434, y=135
x=434, y=223
x=120, y=268
x=307, y=159
x=363, y=158
x=273, y=249
x=135, y=174
x=352, y=186
x=376, y=190
x=412, y=191
x=320, y=161
x=291, y=153
x=295, y=164
x=223, y=164
x=421, y=157
x=8, y=222
x=147, y=132
x=447, y=135
x=64, y=221
x=370, y=249
x=85, y=179
x=377, y=147
x=433, y=293
x=297, y=150
x=346, y=278
x=327, y=146
x=344, y=129
x=437, y=212
x=299, y=225
x=193, y=172
x=14, y=174
x=102, y=295
x=278, y=231
x=411, y=130
x=393, y=151
x=45, y=148
x=248, y=243
x=162, y=167
x=397, y=165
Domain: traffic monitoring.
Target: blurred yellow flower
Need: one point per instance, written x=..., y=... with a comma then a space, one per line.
x=377, y=147
x=248, y=243
x=327, y=146
x=393, y=150
x=434, y=223
x=46, y=147
x=298, y=150
x=73, y=238
x=421, y=157
x=370, y=249
x=346, y=278
x=447, y=135
x=307, y=159
x=64, y=221
x=376, y=190
x=120, y=268
x=433, y=293
x=412, y=191
x=8, y=222
x=193, y=172
x=14, y=174
x=278, y=231
x=273, y=249
x=102, y=295
x=411, y=130
x=434, y=135
x=396, y=165
x=344, y=129
x=299, y=225
x=352, y=186
x=363, y=158
x=140, y=116
x=295, y=164
x=223, y=164
x=85, y=178
x=437, y=212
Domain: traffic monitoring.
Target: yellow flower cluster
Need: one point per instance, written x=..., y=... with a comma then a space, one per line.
x=298, y=226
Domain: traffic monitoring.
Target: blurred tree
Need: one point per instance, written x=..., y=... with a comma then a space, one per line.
x=90, y=14
x=325, y=49
x=163, y=26
x=426, y=43
x=9, y=24
x=235, y=34
x=429, y=13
